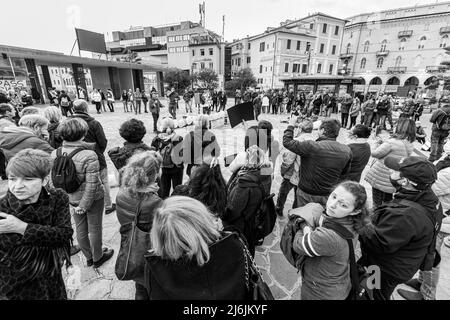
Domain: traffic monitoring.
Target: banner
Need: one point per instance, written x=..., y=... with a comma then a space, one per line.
x=239, y=112
x=391, y=88
x=359, y=87
x=15, y=85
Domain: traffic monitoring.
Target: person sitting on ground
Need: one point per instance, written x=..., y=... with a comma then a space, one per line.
x=199, y=144
x=185, y=236
x=133, y=131
x=290, y=166
x=405, y=228
x=325, y=162
x=420, y=133
x=28, y=135
x=54, y=116
x=87, y=202
x=360, y=151
x=325, y=268
x=34, y=225
x=138, y=194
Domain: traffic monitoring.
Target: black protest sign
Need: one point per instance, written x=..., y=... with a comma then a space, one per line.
x=239, y=112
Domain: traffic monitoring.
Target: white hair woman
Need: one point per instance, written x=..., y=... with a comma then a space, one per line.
x=170, y=147
x=190, y=258
x=54, y=116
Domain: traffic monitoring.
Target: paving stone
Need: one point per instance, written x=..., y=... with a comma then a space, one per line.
x=277, y=293
x=282, y=271
x=122, y=290
x=95, y=290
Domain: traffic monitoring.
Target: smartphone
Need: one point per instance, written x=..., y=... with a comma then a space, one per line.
x=229, y=159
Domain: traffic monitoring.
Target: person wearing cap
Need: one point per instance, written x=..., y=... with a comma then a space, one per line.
x=427, y=282
x=420, y=133
x=360, y=151
x=441, y=128
x=405, y=228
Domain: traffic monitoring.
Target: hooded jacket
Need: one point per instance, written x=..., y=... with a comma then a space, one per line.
x=402, y=234
x=13, y=139
x=96, y=135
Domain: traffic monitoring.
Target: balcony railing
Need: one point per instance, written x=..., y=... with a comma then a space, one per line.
x=382, y=53
x=346, y=55
x=396, y=70
x=406, y=33
x=444, y=30
x=432, y=69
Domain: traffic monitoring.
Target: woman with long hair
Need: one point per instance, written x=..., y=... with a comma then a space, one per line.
x=399, y=145
x=190, y=258
x=325, y=266
x=138, y=194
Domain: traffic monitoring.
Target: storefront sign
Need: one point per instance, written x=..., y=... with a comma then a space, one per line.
x=15, y=85
x=391, y=88
x=359, y=87
x=375, y=87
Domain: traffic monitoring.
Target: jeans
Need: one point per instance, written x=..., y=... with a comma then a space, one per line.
x=65, y=110
x=285, y=188
x=389, y=119
x=104, y=105
x=170, y=178
x=145, y=106
x=155, y=121
x=173, y=110
x=125, y=106
x=257, y=112
x=138, y=107
x=98, y=106
x=105, y=181
x=344, y=120
x=437, y=143
x=368, y=119
x=89, y=230
x=379, y=197
x=352, y=121
x=304, y=198
x=381, y=120
x=132, y=106
x=111, y=106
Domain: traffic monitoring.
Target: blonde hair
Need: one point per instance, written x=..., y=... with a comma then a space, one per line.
x=32, y=120
x=53, y=114
x=256, y=158
x=202, y=122
x=183, y=228
x=167, y=123
x=140, y=172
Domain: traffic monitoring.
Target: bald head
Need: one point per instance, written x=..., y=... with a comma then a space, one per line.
x=80, y=105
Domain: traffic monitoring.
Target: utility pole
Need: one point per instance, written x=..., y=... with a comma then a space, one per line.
x=223, y=28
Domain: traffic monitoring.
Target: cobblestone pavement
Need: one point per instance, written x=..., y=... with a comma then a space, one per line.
x=85, y=283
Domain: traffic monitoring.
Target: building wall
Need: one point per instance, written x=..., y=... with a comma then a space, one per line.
x=178, y=53
x=423, y=21
x=214, y=61
x=126, y=79
x=100, y=78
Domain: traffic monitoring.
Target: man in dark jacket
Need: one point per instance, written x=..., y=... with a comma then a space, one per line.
x=404, y=236
x=323, y=162
x=257, y=106
x=64, y=103
x=96, y=135
x=440, y=130
x=173, y=102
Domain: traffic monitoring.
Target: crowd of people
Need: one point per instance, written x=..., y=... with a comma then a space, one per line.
x=199, y=230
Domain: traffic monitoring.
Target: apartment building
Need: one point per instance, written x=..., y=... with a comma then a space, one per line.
x=396, y=47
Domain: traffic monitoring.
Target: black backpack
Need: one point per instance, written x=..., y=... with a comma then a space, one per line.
x=64, y=172
x=265, y=217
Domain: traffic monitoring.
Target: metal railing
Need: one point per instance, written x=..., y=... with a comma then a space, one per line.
x=406, y=33
x=396, y=70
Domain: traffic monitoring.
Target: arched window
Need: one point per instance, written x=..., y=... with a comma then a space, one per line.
x=402, y=44
x=398, y=61
x=422, y=42
x=444, y=41
x=363, y=63
x=383, y=46
x=366, y=46
x=380, y=63
x=349, y=47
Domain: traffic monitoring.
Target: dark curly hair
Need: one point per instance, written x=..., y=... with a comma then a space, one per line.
x=208, y=186
x=132, y=130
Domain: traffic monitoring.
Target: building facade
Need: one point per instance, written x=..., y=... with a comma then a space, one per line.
x=302, y=47
x=397, y=47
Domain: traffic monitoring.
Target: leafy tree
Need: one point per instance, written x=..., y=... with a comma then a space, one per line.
x=206, y=79
x=178, y=79
x=241, y=81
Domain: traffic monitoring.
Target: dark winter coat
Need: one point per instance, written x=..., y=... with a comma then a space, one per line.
x=120, y=155
x=402, y=234
x=49, y=230
x=96, y=135
x=221, y=278
x=324, y=162
x=55, y=139
x=197, y=146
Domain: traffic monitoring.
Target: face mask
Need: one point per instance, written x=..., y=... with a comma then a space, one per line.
x=396, y=184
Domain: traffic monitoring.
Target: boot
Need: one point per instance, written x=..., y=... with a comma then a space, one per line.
x=108, y=254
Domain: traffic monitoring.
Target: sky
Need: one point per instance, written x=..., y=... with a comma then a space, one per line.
x=49, y=24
